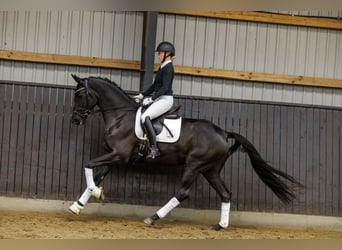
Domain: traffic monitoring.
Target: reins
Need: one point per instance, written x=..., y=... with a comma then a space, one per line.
x=84, y=112
x=124, y=108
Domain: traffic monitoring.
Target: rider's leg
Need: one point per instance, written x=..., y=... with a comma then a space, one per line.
x=159, y=107
x=151, y=137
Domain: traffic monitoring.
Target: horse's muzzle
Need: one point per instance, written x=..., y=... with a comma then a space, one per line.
x=77, y=119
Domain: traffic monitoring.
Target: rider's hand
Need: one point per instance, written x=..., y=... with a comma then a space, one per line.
x=147, y=101
x=138, y=98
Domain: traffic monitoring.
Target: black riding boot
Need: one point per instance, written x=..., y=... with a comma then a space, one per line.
x=151, y=137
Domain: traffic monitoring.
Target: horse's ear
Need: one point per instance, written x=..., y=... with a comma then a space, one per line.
x=76, y=78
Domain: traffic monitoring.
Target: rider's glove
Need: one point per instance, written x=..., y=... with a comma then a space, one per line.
x=147, y=101
x=138, y=98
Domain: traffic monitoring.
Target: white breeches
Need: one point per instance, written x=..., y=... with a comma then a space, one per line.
x=160, y=106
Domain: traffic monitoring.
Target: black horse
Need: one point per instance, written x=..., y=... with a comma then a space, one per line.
x=202, y=148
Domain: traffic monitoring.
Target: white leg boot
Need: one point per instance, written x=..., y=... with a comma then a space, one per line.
x=91, y=190
x=161, y=213
x=225, y=209
x=224, y=221
x=97, y=192
x=168, y=207
x=75, y=208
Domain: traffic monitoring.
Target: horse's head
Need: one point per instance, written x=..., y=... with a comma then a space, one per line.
x=84, y=101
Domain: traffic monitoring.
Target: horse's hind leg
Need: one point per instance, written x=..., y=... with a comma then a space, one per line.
x=188, y=179
x=213, y=177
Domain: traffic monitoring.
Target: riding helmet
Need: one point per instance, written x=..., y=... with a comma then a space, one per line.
x=166, y=47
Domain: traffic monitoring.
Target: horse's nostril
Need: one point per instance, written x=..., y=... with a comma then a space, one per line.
x=76, y=122
x=76, y=119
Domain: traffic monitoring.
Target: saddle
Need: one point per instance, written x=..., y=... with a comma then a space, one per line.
x=167, y=126
x=158, y=123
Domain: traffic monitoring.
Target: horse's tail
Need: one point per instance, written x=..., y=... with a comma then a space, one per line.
x=265, y=172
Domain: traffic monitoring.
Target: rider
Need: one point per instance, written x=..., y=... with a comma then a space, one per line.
x=161, y=92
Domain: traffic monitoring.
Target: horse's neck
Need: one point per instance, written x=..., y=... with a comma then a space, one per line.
x=112, y=98
x=119, y=119
x=113, y=102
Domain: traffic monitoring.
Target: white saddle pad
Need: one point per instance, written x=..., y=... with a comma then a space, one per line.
x=174, y=125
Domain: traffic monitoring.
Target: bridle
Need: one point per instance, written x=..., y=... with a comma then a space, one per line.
x=83, y=113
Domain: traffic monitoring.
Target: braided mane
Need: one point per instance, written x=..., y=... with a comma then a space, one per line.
x=113, y=84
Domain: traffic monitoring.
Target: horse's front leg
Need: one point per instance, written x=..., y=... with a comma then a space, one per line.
x=92, y=189
x=99, y=177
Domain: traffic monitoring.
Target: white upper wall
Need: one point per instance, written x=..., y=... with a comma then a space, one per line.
x=199, y=41
x=83, y=33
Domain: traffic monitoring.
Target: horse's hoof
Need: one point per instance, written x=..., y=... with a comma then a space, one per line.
x=149, y=221
x=98, y=193
x=75, y=208
x=217, y=227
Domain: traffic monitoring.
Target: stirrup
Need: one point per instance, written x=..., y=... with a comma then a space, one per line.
x=153, y=153
x=97, y=192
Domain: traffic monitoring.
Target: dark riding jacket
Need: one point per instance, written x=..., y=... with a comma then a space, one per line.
x=162, y=84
